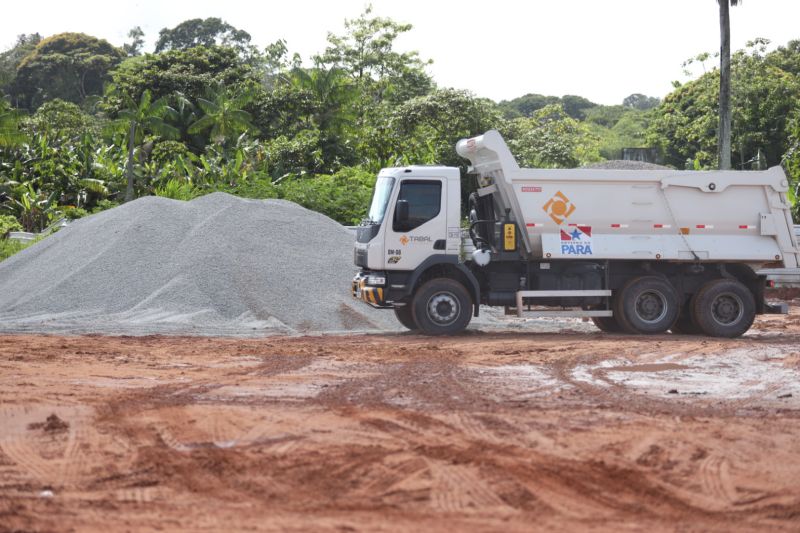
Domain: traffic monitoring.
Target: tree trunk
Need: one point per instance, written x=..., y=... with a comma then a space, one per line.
x=129, y=165
x=724, y=140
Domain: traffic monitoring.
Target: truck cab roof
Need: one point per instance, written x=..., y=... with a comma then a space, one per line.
x=421, y=171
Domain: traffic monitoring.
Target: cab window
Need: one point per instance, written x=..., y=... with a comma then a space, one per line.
x=424, y=203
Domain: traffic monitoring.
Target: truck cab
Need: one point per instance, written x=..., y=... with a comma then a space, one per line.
x=413, y=232
x=415, y=213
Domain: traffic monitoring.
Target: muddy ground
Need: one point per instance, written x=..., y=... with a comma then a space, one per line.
x=503, y=431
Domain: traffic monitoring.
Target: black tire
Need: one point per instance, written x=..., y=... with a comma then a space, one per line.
x=685, y=325
x=724, y=308
x=646, y=305
x=441, y=306
x=406, y=317
x=607, y=323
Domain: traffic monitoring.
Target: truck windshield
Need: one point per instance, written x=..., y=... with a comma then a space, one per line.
x=380, y=200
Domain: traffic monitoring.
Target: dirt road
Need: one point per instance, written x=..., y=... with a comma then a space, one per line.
x=486, y=431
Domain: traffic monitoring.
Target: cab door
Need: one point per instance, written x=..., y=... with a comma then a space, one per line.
x=412, y=239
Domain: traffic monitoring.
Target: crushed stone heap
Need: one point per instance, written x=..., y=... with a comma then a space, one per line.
x=217, y=265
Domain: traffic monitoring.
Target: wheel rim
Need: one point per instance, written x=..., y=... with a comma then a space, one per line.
x=443, y=308
x=651, y=306
x=727, y=309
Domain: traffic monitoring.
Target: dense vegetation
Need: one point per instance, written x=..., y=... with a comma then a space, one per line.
x=86, y=125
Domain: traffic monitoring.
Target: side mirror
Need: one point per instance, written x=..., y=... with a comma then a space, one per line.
x=401, y=211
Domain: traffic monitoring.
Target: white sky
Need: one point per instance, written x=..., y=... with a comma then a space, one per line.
x=603, y=50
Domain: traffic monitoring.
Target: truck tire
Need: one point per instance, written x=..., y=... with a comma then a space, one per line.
x=685, y=325
x=441, y=306
x=646, y=304
x=724, y=308
x=405, y=317
x=607, y=324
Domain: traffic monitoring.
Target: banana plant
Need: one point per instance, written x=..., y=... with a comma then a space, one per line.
x=146, y=116
x=35, y=210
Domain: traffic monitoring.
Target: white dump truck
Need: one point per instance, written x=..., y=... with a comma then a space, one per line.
x=638, y=251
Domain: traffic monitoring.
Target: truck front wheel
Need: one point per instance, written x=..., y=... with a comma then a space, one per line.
x=406, y=317
x=608, y=324
x=441, y=306
x=724, y=308
x=646, y=304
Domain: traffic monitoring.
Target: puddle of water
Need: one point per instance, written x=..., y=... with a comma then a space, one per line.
x=736, y=374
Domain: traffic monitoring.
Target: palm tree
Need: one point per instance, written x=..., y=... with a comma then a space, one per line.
x=138, y=119
x=332, y=91
x=224, y=115
x=724, y=141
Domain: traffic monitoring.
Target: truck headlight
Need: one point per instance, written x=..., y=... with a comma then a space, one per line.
x=376, y=279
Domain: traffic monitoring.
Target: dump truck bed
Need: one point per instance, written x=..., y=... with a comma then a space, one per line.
x=728, y=216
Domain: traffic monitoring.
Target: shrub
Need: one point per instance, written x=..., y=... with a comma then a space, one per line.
x=7, y=225
x=74, y=213
x=343, y=196
x=177, y=190
x=104, y=205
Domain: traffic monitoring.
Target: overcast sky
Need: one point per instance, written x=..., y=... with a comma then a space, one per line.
x=603, y=50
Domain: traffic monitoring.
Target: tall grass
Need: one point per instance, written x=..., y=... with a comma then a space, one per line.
x=9, y=247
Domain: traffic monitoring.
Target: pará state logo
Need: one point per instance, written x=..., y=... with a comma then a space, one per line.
x=576, y=240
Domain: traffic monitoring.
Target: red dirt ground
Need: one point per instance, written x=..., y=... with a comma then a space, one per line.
x=485, y=431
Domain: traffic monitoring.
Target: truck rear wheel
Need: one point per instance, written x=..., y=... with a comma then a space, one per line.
x=685, y=325
x=724, y=308
x=646, y=304
x=441, y=306
x=406, y=317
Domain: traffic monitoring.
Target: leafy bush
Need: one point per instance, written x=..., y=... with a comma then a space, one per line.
x=177, y=190
x=791, y=162
x=104, y=205
x=74, y=213
x=7, y=225
x=343, y=196
x=551, y=139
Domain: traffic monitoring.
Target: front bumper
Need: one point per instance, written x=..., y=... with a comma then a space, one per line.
x=374, y=296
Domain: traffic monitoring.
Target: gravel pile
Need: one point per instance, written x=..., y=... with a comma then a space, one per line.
x=622, y=164
x=218, y=265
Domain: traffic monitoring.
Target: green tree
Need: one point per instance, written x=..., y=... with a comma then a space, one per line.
x=618, y=127
x=551, y=139
x=429, y=126
x=366, y=51
x=224, y=114
x=332, y=114
x=203, y=32
x=724, y=133
x=189, y=72
x=59, y=118
x=146, y=116
x=763, y=97
x=527, y=105
x=640, y=101
x=134, y=48
x=791, y=162
x=11, y=58
x=69, y=66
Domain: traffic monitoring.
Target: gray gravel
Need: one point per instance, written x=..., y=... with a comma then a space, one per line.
x=218, y=265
